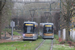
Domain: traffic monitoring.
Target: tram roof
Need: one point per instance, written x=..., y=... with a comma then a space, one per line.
x=31, y=22
x=46, y=23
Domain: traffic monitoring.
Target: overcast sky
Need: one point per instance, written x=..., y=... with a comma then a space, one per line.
x=34, y=0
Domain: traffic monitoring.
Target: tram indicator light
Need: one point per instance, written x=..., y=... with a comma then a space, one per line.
x=35, y=25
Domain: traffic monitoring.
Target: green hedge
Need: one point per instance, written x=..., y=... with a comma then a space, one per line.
x=56, y=36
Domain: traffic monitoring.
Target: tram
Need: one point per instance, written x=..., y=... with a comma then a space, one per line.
x=30, y=31
x=47, y=30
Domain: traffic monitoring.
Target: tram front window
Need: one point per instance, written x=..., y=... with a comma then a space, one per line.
x=29, y=29
x=48, y=30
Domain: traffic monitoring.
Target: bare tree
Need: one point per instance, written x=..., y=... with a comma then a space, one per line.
x=2, y=4
x=68, y=5
x=56, y=21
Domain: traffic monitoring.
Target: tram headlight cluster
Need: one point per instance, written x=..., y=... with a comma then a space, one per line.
x=33, y=34
x=23, y=35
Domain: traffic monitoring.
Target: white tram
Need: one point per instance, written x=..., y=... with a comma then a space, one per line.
x=47, y=30
x=30, y=31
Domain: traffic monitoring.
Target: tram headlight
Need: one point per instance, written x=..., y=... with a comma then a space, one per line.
x=33, y=34
x=23, y=35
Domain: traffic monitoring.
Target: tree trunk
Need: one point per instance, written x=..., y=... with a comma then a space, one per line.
x=0, y=17
x=1, y=8
x=0, y=25
x=67, y=32
x=68, y=22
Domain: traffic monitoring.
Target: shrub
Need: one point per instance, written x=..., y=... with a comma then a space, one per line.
x=7, y=30
x=63, y=42
x=2, y=33
x=39, y=37
x=56, y=37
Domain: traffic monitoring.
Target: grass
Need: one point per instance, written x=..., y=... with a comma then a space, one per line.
x=21, y=45
x=62, y=47
x=46, y=45
x=16, y=33
x=56, y=37
x=58, y=46
x=55, y=41
x=31, y=45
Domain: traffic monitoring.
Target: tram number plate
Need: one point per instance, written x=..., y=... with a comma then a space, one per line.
x=28, y=35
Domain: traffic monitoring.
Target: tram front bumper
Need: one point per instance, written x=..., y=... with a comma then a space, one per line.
x=48, y=37
x=30, y=38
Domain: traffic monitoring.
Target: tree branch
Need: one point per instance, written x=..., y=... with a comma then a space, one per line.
x=3, y=5
x=63, y=3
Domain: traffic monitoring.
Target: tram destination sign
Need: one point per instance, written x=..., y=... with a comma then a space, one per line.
x=29, y=24
x=48, y=25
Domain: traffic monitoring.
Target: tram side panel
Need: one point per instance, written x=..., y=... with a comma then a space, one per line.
x=36, y=31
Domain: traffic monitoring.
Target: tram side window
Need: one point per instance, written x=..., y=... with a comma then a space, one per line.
x=24, y=29
x=35, y=30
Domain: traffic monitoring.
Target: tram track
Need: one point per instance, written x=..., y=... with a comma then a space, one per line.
x=51, y=45
x=39, y=45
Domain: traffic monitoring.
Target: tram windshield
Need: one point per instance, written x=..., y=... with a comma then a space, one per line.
x=48, y=30
x=29, y=29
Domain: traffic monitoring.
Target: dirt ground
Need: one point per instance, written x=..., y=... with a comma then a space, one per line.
x=8, y=38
